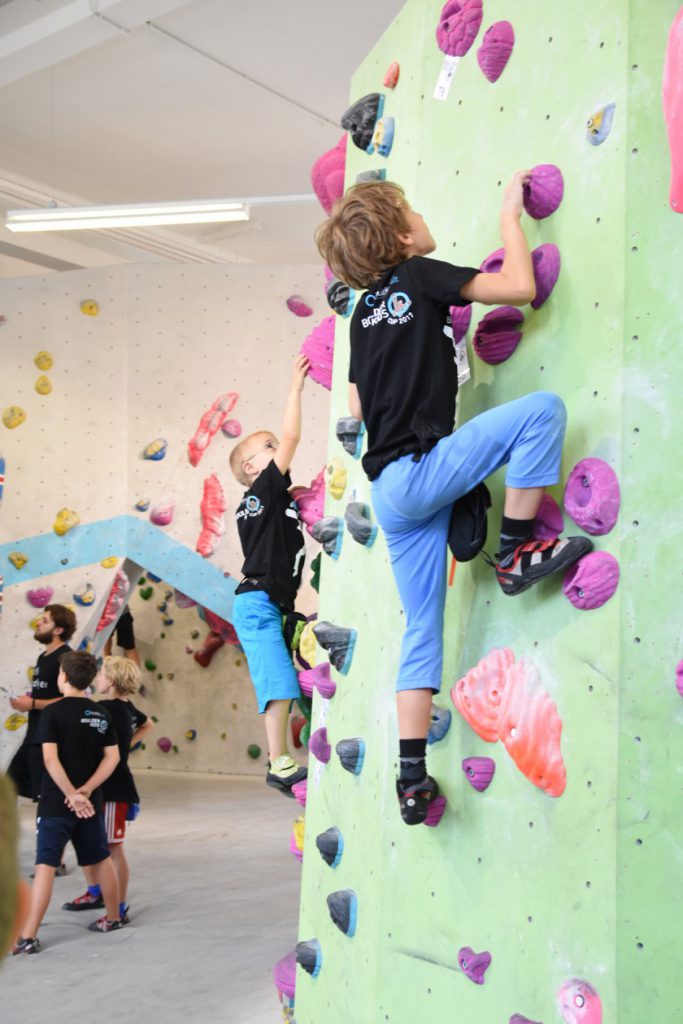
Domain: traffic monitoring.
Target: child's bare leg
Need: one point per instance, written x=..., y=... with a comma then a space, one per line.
x=89, y=875
x=276, y=720
x=414, y=713
x=41, y=893
x=522, y=503
x=118, y=856
x=105, y=876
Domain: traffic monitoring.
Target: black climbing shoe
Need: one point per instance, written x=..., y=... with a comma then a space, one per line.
x=414, y=800
x=536, y=559
x=285, y=773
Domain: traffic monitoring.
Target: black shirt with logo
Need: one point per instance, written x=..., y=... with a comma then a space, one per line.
x=403, y=358
x=127, y=719
x=81, y=731
x=44, y=685
x=272, y=537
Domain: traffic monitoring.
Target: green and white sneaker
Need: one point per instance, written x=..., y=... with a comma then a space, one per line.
x=284, y=773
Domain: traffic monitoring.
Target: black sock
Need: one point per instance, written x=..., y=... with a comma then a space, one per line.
x=412, y=755
x=514, y=532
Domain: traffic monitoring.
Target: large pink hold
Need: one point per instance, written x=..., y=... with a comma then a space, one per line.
x=115, y=601
x=546, y=263
x=319, y=350
x=591, y=581
x=311, y=500
x=549, y=522
x=319, y=747
x=544, y=190
x=461, y=317
x=40, y=596
x=459, y=23
x=672, y=100
x=493, y=263
x=592, y=497
x=212, y=508
x=298, y=306
x=318, y=677
x=495, y=49
x=212, y=420
x=161, y=514
x=164, y=744
x=284, y=975
x=497, y=335
x=300, y=791
x=474, y=965
x=327, y=175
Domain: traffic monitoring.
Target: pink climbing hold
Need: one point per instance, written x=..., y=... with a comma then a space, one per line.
x=319, y=350
x=461, y=317
x=115, y=601
x=435, y=811
x=497, y=334
x=327, y=175
x=284, y=975
x=182, y=600
x=298, y=306
x=319, y=747
x=39, y=597
x=317, y=678
x=300, y=791
x=495, y=49
x=493, y=263
x=592, y=496
x=164, y=744
x=212, y=508
x=459, y=23
x=546, y=263
x=591, y=581
x=544, y=191
x=391, y=75
x=679, y=677
x=549, y=522
x=479, y=772
x=212, y=420
x=161, y=514
x=225, y=630
x=672, y=101
x=579, y=1003
x=519, y=1018
x=311, y=500
x=231, y=428
x=474, y=965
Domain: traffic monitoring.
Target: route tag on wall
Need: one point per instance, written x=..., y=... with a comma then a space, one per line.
x=462, y=361
x=443, y=85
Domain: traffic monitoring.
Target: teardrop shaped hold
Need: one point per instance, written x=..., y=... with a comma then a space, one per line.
x=351, y=754
x=300, y=791
x=330, y=533
x=331, y=846
x=545, y=260
x=544, y=191
x=461, y=317
x=479, y=772
x=440, y=724
x=360, y=119
x=599, y=124
x=350, y=432
x=592, y=496
x=298, y=306
x=474, y=965
x=319, y=746
x=339, y=642
x=391, y=75
x=549, y=522
x=343, y=908
x=436, y=811
x=495, y=49
x=309, y=955
x=591, y=581
x=319, y=678
x=357, y=516
x=497, y=334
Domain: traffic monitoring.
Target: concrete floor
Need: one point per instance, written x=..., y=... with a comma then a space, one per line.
x=214, y=903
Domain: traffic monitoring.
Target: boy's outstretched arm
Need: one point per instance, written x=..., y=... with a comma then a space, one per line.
x=514, y=285
x=291, y=424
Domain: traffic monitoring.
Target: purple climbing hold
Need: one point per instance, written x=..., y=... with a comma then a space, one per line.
x=591, y=581
x=549, y=522
x=460, y=321
x=183, y=601
x=327, y=175
x=284, y=975
x=544, y=190
x=497, y=334
x=479, y=772
x=474, y=965
x=39, y=597
x=319, y=747
x=231, y=428
x=435, y=811
x=592, y=496
x=495, y=49
x=164, y=744
x=319, y=350
x=519, y=1018
x=300, y=791
x=493, y=262
x=459, y=23
x=546, y=263
x=298, y=306
x=318, y=677
x=679, y=677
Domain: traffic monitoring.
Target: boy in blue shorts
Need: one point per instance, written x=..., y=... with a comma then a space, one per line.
x=403, y=383
x=272, y=541
x=80, y=751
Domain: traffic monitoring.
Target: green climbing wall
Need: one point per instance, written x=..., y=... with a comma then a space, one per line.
x=587, y=885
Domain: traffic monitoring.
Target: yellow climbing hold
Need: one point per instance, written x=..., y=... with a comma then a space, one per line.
x=65, y=521
x=43, y=385
x=336, y=478
x=18, y=559
x=44, y=361
x=29, y=672
x=15, y=721
x=308, y=644
x=33, y=626
x=299, y=825
x=89, y=307
x=109, y=562
x=13, y=416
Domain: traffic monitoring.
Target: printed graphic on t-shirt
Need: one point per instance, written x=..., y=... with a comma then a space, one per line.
x=95, y=720
x=394, y=310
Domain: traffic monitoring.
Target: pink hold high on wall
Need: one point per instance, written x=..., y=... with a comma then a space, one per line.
x=459, y=23
x=319, y=350
x=495, y=49
x=672, y=101
x=544, y=191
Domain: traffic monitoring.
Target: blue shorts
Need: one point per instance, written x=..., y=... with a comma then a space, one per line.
x=258, y=624
x=87, y=835
x=413, y=501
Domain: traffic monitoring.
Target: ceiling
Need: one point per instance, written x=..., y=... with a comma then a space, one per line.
x=107, y=101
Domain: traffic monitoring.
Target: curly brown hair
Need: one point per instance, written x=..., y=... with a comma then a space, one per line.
x=360, y=239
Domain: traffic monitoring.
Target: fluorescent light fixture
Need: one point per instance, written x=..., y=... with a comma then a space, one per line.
x=137, y=215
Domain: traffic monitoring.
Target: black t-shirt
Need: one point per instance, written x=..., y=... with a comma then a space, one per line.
x=44, y=686
x=272, y=537
x=403, y=358
x=81, y=731
x=120, y=786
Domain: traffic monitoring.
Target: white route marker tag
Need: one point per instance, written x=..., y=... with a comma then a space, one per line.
x=462, y=361
x=443, y=85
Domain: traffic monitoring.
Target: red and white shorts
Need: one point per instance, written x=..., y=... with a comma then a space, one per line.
x=115, y=821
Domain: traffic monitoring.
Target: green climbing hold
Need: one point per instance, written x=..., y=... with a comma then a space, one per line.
x=174, y=749
x=141, y=581
x=238, y=662
x=254, y=751
x=154, y=718
x=305, y=734
x=146, y=593
x=150, y=665
x=162, y=635
x=315, y=572
x=224, y=735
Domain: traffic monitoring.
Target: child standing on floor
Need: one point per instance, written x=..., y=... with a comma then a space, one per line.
x=403, y=383
x=119, y=678
x=80, y=751
x=272, y=540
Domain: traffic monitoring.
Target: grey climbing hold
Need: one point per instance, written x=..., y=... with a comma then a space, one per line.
x=350, y=432
x=329, y=532
x=331, y=846
x=339, y=643
x=343, y=908
x=357, y=516
x=309, y=955
x=340, y=297
x=351, y=753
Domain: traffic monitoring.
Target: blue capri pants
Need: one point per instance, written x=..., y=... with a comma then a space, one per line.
x=258, y=624
x=413, y=501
